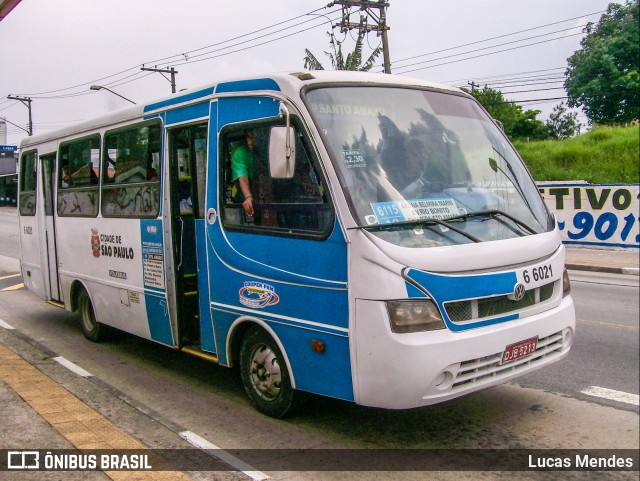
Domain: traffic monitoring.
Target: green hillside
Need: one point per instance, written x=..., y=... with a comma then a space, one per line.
x=604, y=155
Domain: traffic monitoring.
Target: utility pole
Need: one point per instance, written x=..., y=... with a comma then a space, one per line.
x=473, y=86
x=161, y=71
x=26, y=101
x=380, y=19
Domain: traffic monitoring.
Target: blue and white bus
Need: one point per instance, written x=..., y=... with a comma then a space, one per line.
x=399, y=254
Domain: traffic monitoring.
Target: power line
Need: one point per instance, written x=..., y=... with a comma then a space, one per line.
x=135, y=75
x=490, y=53
x=543, y=100
x=286, y=35
x=498, y=45
x=185, y=58
x=187, y=53
x=506, y=75
x=497, y=37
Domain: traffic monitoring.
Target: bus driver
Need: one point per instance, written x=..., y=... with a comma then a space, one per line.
x=243, y=170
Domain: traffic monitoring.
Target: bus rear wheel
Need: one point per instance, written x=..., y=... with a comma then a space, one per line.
x=265, y=375
x=92, y=329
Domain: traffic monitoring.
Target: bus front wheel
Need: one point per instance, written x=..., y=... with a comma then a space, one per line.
x=92, y=329
x=265, y=375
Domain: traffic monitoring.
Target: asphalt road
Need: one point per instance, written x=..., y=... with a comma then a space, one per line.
x=9, y=242
x=605, y=351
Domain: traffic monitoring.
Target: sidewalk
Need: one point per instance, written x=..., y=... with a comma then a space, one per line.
x=52, y=407
x=612, y=261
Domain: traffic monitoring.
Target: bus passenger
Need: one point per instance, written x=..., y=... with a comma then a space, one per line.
x=66, y=178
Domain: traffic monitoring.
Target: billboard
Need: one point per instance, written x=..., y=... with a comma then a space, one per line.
x=595, y=215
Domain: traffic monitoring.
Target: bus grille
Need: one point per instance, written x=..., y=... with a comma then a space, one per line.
x=489, y=367
x=475, y=309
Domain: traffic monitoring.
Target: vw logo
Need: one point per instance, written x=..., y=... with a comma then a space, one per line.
x=518, y=292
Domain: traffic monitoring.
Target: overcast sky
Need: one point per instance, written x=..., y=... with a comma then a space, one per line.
x=53, y=51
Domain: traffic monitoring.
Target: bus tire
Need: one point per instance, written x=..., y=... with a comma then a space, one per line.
x=265, y=375
x=92, y=329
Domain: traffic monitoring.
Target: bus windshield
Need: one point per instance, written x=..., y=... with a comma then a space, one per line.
x=424, y=168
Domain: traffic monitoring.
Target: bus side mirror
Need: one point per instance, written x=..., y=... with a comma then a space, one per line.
x=282, y=153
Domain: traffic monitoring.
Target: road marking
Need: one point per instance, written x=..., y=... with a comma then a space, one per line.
x=5, y=325
x=13, y=288
x=609, y=324
x=9, y=277
x=603, y=392
x=222, y=455
x=72, y=367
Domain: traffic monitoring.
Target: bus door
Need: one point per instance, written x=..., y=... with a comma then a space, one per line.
x=29, y=209
x=187, y=164
x=48, y=170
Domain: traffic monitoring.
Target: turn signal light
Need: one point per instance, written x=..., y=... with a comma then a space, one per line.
x=318, y=346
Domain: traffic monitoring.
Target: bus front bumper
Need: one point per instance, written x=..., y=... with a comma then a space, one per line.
x=401, y=371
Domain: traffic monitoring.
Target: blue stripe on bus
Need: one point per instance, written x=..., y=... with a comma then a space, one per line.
x=239, y=109
x=248, y=85
x=297, y=260
x=155, y=296
x=179, y=99
x=190, y=112
x=413, y=292
x=158, y=316
x=445, y=288
x=273, y=294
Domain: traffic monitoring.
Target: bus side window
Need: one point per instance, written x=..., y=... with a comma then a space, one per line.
x=298, y=206
x=28, y=183
x=78, y=177
x=131, y=167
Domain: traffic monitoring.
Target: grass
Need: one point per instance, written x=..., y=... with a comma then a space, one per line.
x=604, y=155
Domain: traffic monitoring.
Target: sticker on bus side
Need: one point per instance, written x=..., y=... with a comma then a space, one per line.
x=258, y=295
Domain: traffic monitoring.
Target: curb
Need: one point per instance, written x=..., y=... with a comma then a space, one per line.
x=629, y=271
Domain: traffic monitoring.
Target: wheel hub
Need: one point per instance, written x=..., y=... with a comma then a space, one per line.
x=266, y=376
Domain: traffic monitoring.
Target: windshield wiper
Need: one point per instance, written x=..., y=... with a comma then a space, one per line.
x=417, y=222
x=493, y=213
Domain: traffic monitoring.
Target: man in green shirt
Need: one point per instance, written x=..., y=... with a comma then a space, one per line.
x=243, y=170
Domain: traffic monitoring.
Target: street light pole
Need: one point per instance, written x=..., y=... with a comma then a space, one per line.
x=100, y=87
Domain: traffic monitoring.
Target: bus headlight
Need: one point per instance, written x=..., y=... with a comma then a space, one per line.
x=566, y=283
x=414, y=316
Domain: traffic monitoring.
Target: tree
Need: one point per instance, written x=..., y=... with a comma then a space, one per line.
x=562, y=124
x=353, y=60
x=602, y=76
x=517, y=123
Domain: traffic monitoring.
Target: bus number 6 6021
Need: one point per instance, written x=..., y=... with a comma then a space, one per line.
x=538, y=274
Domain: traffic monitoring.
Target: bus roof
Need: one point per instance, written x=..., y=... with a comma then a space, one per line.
x=288, y=83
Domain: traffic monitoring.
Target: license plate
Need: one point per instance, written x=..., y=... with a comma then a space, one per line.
x=519, y=350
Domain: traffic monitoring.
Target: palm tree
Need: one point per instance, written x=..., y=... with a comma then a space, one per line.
x=353, y=60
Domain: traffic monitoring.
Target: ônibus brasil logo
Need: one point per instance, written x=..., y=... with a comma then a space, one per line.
x=258, y=295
